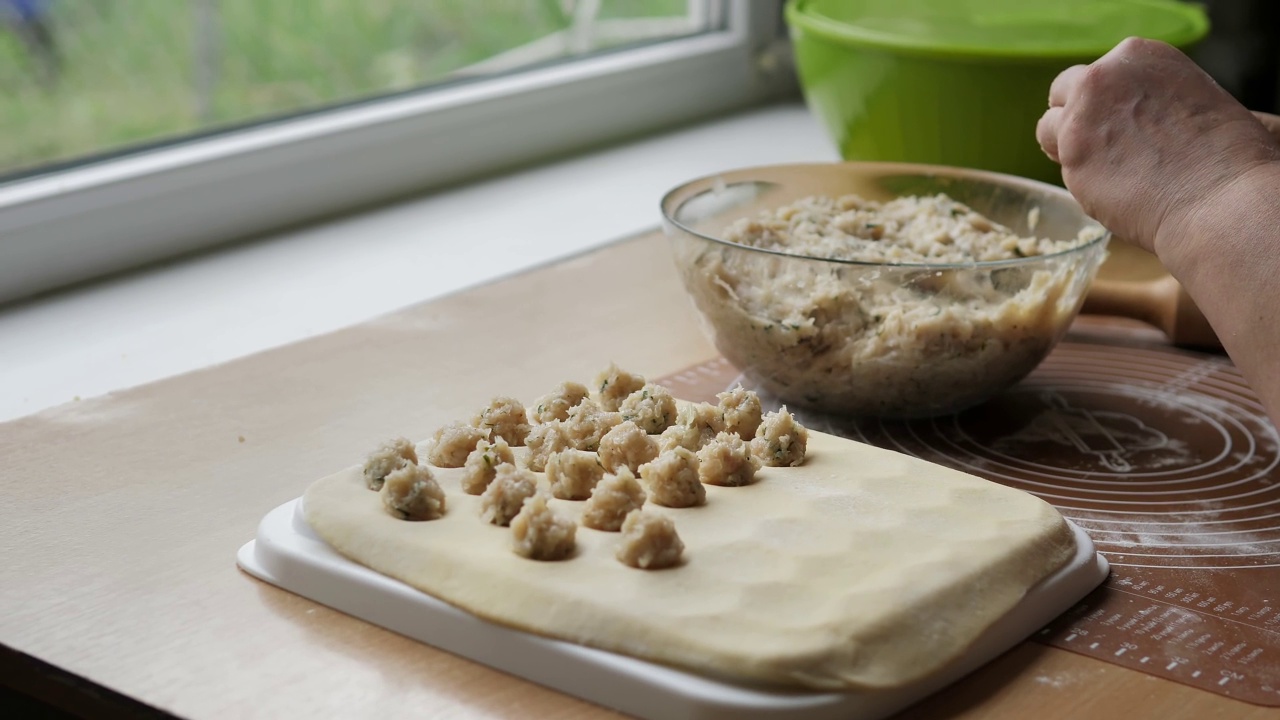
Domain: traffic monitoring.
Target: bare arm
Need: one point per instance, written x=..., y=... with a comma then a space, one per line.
x=1153, y=148
x=1227, y=256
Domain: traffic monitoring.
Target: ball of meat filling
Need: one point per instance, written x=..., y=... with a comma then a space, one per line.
x=696, y=425
x=411, y=493
x=555, y=405
x=672, y=479
x=649, y=541
x=453, y=443
x=680, y=436
x=627, y=446
x=727, y=460
x=780, y=441
x=587, y=425
x=387, y=457
x=501, y=501
x=539, y=533
x=504, y=418
x=482, y=465
x=613, y=498
x=573, y=473
x=545, y=440
x=741, y=411
x=652, y=407
x=614, y=384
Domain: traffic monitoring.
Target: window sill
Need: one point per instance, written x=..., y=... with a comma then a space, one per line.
x=218, y=306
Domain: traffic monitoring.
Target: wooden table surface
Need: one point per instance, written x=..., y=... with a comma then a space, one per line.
x=122, y=516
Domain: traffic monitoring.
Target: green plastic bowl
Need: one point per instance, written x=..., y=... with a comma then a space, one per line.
x=959, y=82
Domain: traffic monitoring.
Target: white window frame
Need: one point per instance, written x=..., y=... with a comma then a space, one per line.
x=87, y=221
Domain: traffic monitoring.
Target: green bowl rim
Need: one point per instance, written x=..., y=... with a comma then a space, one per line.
x=905, y=168
x=799, y=18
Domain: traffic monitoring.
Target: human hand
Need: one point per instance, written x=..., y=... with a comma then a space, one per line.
x=1147, y=140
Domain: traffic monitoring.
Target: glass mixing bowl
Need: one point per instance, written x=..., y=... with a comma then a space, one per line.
x=890, y=340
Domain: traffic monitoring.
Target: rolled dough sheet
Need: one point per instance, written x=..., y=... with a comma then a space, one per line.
x=861, y=569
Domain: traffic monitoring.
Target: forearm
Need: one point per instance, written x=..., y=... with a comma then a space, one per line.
x=1227, y=256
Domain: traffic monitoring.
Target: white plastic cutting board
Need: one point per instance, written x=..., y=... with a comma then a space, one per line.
x=286, y=553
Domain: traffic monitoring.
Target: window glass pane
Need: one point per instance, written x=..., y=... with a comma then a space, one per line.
x=79, y=78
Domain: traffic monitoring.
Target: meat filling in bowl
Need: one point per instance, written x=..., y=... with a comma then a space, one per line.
x=920, y=318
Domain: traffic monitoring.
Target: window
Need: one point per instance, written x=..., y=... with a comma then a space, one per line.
x=137, y=129
x=84, y=78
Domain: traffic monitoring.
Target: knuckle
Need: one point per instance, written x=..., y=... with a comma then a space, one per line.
x=1131, y=44
x=1094, y=78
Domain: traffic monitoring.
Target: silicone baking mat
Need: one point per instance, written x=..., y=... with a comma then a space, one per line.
x=1167, y=460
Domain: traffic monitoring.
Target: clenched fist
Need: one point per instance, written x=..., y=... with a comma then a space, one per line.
x=1149, y=143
